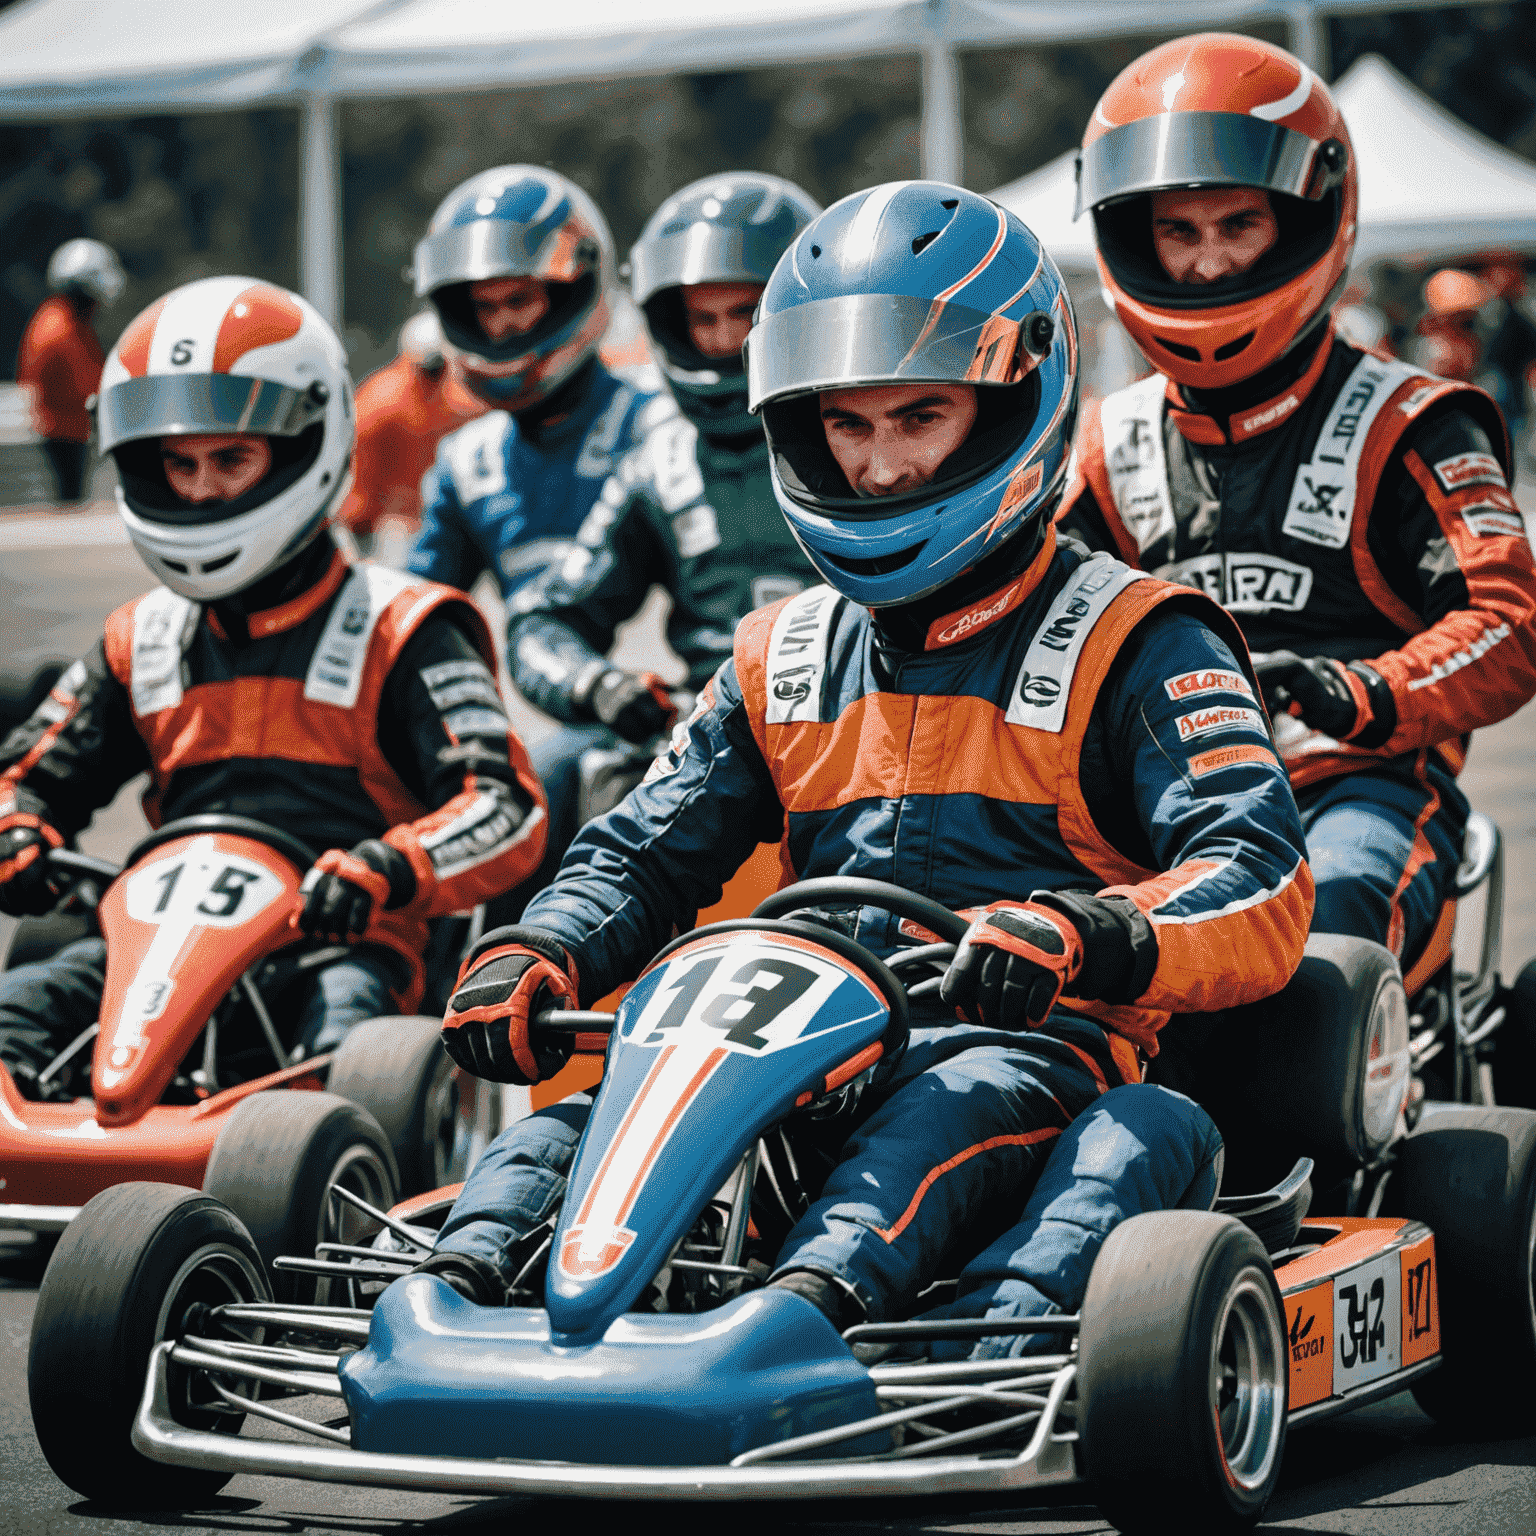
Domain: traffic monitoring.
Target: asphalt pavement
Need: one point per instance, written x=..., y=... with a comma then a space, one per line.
x=1385, y=1469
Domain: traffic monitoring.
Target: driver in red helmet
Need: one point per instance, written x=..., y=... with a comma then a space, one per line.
x=1352, y=513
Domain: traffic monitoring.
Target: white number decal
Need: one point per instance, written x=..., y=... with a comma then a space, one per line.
x=201, y=887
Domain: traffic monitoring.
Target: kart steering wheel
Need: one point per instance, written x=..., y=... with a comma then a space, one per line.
x=298, y=853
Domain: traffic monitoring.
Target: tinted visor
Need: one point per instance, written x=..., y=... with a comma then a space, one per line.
x=1208, y=149
x=162, y=406
x=469, y=253
x=876, y=338
x=703, y=253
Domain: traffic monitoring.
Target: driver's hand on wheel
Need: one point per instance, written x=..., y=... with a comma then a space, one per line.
x=341, y=890
x=634, y=705
x=1321, y=693
x=25, y=843
x=1012, y=965
x=511, y=976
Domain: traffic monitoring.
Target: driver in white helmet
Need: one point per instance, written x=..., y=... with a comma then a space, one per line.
x=60, y=357
x=354, y=707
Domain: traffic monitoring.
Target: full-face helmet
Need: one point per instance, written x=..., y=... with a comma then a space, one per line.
x=86, y=268
x=911, y=282
x=518, y=221
x=421, y=341
x=724, y=229
x=1216, y=110
x=227, y=354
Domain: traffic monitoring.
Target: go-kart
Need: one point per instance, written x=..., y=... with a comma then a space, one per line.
x=177, y=1080
x=658, y=1366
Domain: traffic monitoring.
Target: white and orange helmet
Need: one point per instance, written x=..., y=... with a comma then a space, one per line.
x=227, y=354
x=1217, y=110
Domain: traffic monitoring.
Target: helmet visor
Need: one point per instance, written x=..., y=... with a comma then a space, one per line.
x=874, y=338
x=704, y=253
x=1209, y=149
x=469, y=253
x=167, y=406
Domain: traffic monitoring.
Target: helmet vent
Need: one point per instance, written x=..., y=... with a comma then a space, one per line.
x=1178, y=349
x=174, y=565
x=815, y=252
x=220, y=563
x=924, y=240
x=950, y=202
x=879, y=565
x=1232, y=348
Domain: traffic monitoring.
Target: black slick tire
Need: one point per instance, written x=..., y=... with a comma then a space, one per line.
x=274, y=1164
x=1469, y=1173
x=397, y=1069
x=1182, y=1376
x=124, y=1274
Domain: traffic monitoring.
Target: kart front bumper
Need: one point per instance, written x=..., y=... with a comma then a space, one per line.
x=37, y=1219
x=1046, y=1460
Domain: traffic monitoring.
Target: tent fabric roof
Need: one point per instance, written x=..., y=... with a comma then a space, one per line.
x=1431, y=188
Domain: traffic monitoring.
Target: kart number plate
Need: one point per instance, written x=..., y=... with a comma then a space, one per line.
x=201, y=886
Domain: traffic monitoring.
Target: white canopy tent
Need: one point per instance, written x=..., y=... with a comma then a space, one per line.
x=1431, y=189
x=99, y=57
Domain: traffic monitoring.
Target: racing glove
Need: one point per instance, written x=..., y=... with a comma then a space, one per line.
x=1348, y=703
x=25, y=842
x=511, y=975
x=636, y=706
x=341, y=889
x=1012, y=964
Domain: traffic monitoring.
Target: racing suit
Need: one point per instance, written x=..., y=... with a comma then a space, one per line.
x=693, y=515
x=60, y=359
x=365, y=707
x=1359, y=511
x=1084, y=729
x=507, y=493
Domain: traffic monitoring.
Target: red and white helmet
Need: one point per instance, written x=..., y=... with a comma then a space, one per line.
x=227, y=354
x=1217, y=110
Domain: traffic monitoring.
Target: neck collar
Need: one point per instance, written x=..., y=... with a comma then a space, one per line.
x=1257, y=405
x=558, y=412
x=285, y=616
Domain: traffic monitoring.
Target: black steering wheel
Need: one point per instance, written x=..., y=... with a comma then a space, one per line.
x=298, y=853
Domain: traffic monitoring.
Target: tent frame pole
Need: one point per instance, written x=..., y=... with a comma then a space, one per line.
x=320, y=205
x=943, y=133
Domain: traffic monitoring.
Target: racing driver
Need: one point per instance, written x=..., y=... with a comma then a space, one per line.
x=690, y=509
x=353, y=707
x=1352, y=512
x=1065, y=749
x=518, y=264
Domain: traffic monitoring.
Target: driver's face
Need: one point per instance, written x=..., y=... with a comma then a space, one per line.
x=206, y=467
x=1205, y=235
x=719, y=315
x=508, y=306
x=891, y=438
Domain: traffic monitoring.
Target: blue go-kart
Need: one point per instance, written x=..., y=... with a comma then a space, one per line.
x=170, y=1353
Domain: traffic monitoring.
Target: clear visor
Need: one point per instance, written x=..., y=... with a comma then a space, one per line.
x=469, y=253
x=703, y=253
x=1211, y=149
x=875, y=338
x=166, y=406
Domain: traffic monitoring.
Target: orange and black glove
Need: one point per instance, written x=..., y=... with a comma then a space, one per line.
x=1012, y=964
x=511, y=976
x=1348, y=703
x=634, y=705
x=341, y=890
x=25, y=843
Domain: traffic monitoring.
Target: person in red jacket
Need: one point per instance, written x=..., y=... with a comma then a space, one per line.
x=403, y=411
x=60, y=358
x=1352, y=512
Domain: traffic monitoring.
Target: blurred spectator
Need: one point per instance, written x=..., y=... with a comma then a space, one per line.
x=61, y=358
x=1511, y=349
x=1452, y=343
x=1361, y=323
x=402, y=412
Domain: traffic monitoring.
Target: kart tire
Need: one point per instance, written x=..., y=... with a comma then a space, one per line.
x=121, y=1279
x=1180, y=1302
x=1514, y=1054
x=397, y=1069
x=274, y=1163
x=1469, y=1173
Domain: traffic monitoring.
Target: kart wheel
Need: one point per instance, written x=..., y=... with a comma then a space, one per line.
x=1469, y=1173
x=274, y=1164
x=1182, y=1375
x=399, y=1072
x=1514, y=1056
x=123, y=1276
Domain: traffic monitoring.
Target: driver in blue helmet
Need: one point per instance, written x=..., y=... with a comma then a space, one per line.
x=1071, y=753
x=518, y=263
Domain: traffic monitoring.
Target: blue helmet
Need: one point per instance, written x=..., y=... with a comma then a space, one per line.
x=518, y=221
x=909, y=282
x=730, y=228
